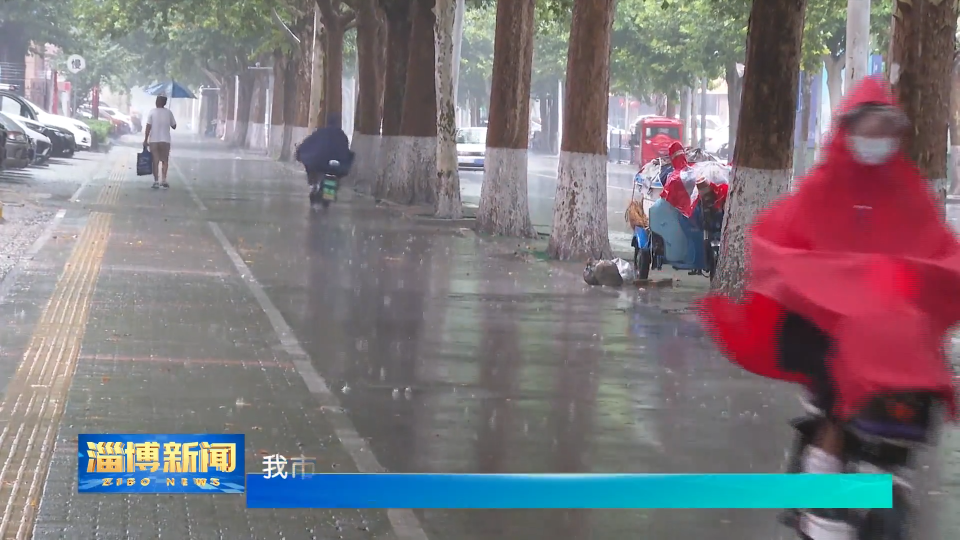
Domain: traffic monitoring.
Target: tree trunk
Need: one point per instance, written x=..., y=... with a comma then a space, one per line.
x=834, y=65
x=247, y=81
x=734, y=95
x=418, y=130
x=381, y=60
x=293, y=86
x=320, y=119
x=366, y=133
x=332, y=70
x=255, y=137
x=504, y=204
x=763, y=156
x=955, y=134
x=448, y=203
x=857, y=46
x=800, y=166
x=922, y=82
x=685, y=114
x=389, y=162
x=694, y=115
x=280, y=62
x=580, y=208
x=671, y=106
x=230, y=87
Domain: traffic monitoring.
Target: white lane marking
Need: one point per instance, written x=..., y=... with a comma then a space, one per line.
x=404, y=522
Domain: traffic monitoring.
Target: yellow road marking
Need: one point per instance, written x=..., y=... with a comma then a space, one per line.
x=33, y=404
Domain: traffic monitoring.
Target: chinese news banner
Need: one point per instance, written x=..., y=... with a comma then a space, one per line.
x=223, y=465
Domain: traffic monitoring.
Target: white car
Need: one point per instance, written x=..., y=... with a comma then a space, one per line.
x=471, y=147
x=79, y=130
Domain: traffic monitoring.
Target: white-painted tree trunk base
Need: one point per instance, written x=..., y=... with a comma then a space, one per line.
x=417, y=181
x=363, y=174
x=256, y=137
x=229, y=130
x=580, y=230
x=240, y=135
x=504, y=201
x=751, y=191
x=276, y=141
x=388, y=167
x=300, y=133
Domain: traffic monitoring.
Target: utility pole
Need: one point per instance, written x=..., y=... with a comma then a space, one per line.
x=858, y=42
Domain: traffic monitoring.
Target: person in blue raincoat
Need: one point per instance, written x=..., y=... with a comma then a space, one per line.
x=324, y=145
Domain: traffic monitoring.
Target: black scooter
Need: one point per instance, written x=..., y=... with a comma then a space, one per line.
x=883, y=439
x=323, y=189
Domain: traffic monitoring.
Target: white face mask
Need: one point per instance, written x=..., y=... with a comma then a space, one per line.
x=873, y=151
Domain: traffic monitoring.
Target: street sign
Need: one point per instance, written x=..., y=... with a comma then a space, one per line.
x=76, y=63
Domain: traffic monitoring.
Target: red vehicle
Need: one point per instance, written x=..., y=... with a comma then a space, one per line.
x=652, y=137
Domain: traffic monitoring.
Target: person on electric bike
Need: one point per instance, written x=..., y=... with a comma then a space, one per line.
x=324, y=145
x=852, y=286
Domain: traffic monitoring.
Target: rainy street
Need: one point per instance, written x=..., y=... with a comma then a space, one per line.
x=372, y=343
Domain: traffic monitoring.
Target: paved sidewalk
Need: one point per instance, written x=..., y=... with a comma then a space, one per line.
x=225, y=305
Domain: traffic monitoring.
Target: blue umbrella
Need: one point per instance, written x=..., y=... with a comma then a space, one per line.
x=171, y=89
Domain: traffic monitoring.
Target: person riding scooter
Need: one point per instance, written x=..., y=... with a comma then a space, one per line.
x=852, y=287
x=320, y=148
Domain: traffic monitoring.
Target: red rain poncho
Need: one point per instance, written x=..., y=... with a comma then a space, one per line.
x=678, y=195
x=862, y=253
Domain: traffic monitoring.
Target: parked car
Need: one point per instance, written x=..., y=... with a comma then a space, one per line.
x=117, y=115
x=11, y=103
x=40, y=143
x=18, y=144
x=63, y=142
x=471, y=147
x=120, y=127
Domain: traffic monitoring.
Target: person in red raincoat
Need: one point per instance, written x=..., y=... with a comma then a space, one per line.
x=673, y=189
x=852, y=285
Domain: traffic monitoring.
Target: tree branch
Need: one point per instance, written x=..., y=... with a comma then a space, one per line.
x=351, y=24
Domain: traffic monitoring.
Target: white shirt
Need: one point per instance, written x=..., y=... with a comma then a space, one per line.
x=160, y=121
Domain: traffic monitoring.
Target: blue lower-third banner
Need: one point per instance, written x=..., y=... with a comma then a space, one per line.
x=504, y=491
x=160, y=463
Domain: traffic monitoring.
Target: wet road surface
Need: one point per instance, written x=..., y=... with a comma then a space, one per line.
x=367, y=341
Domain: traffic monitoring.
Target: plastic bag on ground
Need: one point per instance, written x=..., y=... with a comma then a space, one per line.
x=608, y=273
x=625, y=269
